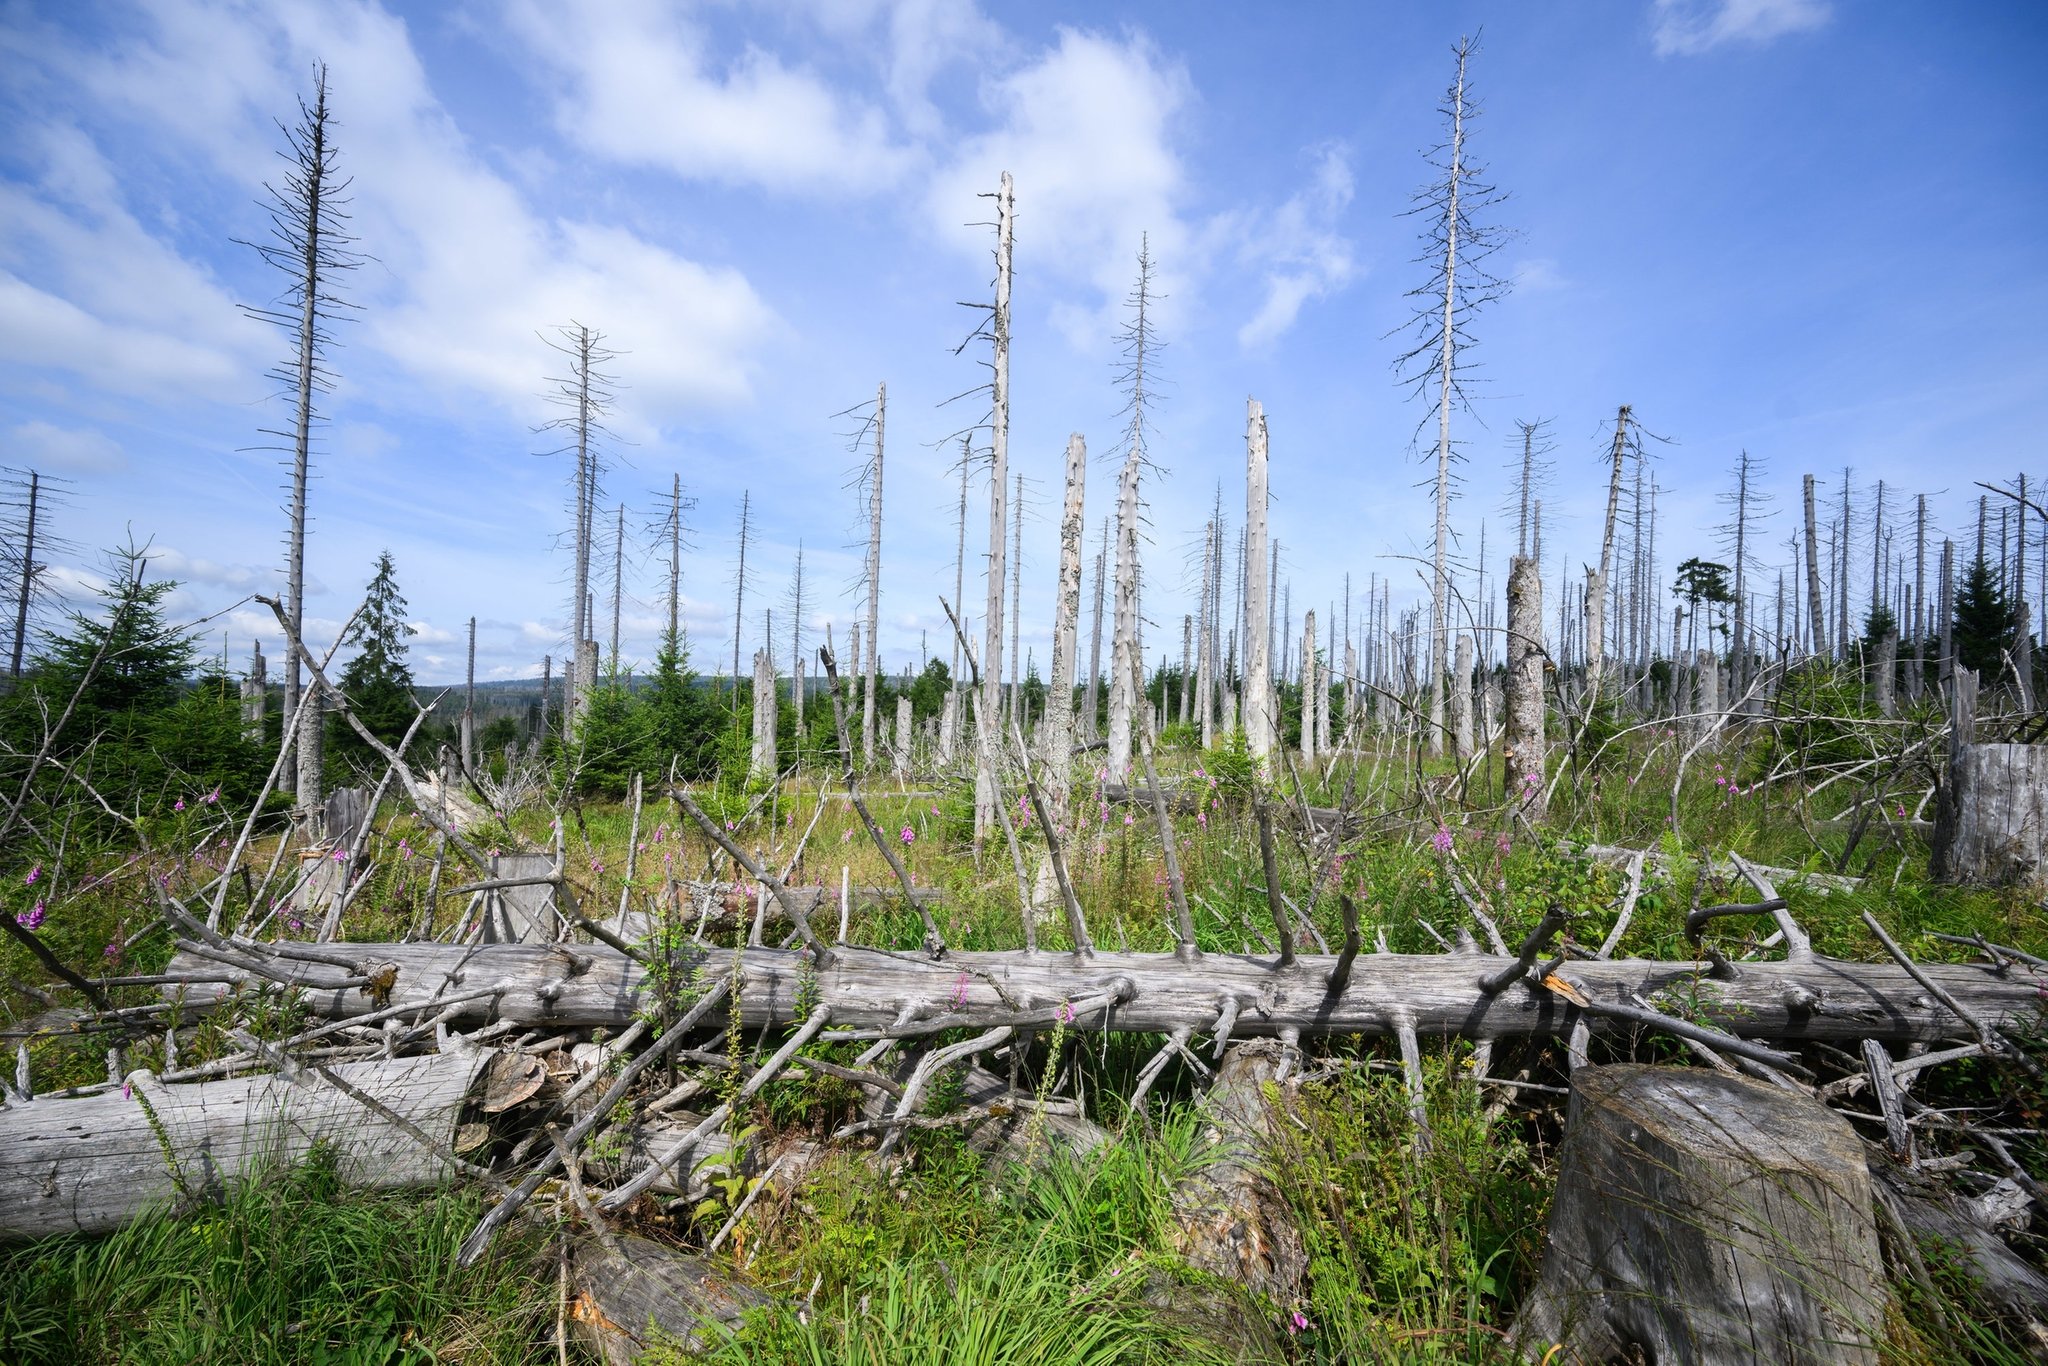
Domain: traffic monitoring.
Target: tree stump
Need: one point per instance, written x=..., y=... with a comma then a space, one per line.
x=1991, y=818
x=631, y=1294
x=1706, y=1218
x=1232, y=1220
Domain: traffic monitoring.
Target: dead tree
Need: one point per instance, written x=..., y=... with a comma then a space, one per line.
x=585, y=396
x=309, y=243
x=26, y=549
x=1816, y=612
x=1139, y=347
x=1059, y=706
x=1526, y=660
x=870, y=676
x=999, y=476
x=1455, y=244
x=1260, y=716
x=739, y=584
x=1091, y=700
x=1596, y=586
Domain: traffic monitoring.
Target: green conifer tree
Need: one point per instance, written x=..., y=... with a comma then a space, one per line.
x=1984, y=624
x=377, y=681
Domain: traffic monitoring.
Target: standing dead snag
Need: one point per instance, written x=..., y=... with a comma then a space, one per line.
x=999, y=474
x=1261, y=718
x=585, y=396
x=1059, y=705
x=1596, y=587
x=870, y=677
x=1126, y=660
x=1525, y=753
x=1454, y=245
x=310, y=244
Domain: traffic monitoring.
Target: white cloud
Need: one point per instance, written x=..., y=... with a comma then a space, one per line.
x=1087, y=131
x=44, y=446
x=645, y=88
x=1539, y=274
x=168, y=562
x=1689, y=27
x=85, y=287
x=467, y=267
x=1303, y=254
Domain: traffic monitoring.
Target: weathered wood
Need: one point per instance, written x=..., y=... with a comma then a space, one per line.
x=1702, y=1217
x=873, y=991
x=90, y=1165
x=629, y=1294
x=1230, y=1218
x=1998, y=835
x=523, y=914
x=1525, y=751
x=1946, y=1226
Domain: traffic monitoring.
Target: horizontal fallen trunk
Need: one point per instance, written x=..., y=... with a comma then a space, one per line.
x=875, y=993
x=90, y=1165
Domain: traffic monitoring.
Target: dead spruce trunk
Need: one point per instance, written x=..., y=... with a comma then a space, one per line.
x=1261, y=724
x=1230, y=1218
x=1703, y=1217
x=1526, y=660
x=629, y=1294
x=875, y=993
x=1059, y=702
x=90, y=1165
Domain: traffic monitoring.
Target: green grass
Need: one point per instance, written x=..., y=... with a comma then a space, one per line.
x=290, y=1269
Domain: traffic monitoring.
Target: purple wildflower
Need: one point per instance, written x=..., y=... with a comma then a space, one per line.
x=1442, y=840
x=960, y=990
x=33, y=874
x=30, y=918
x=907, y=835
x=178, y=805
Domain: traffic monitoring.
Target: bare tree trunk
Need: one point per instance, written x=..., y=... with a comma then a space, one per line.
x=468, y=735
x=1059, y=707
x=1887, y=667
x=1123, y=659
x=763, y=763
x=870, y=676
x=1738, y=663
x=905, y=737
x=1440, y=583
x=1016, y=706
x=1308, y=686
x=739, y=582
x=618, y=581
x=1948, y=611
x=985, y=794
x=1461, y=701
x=1526, y=752
x=1596, y=587
x=1205, y=642
x=1091, y=700
x=1260, y=721
x=28, y=576
x=1816, y=614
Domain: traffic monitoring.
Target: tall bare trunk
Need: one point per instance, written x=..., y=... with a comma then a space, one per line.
x=1016, y=706
x=1524, y=703
x=1816, y=612
x=28, y=576
x=985, y=796
x=1091, y=701
x=1123, y=660
x=870, y=677
x=1596, y=586
x=1261, y=724
x=764, y=761
x=1439, y=582
x=1059, y=707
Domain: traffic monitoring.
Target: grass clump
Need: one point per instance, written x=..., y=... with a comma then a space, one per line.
x=291, y=1268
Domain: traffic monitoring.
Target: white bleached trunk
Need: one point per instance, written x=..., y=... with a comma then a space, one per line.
x=1059, y=705
x=1261, y=724
x=1123, y=658
x=985, y=797
x=1524, y=705
x=763, y=760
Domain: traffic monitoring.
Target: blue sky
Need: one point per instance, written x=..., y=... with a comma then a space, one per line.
x=1812, y=230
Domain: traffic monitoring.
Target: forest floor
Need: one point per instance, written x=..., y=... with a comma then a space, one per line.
x=1416, y=1253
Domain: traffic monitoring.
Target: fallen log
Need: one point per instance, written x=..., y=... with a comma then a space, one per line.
x=875, y=993
x=89, y=1165
x=1709, y=1218
x=1949, y=1227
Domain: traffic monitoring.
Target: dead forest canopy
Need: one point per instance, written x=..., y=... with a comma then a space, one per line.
x=1218, y=994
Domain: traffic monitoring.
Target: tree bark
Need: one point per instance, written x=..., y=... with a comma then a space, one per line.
x=583, y=986
x=985, y=791
x=1703, y=1217
x=1123, y=654
x=90, y=1165
x=1526, y=751
x=1259, y=718
x=1059, y=706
